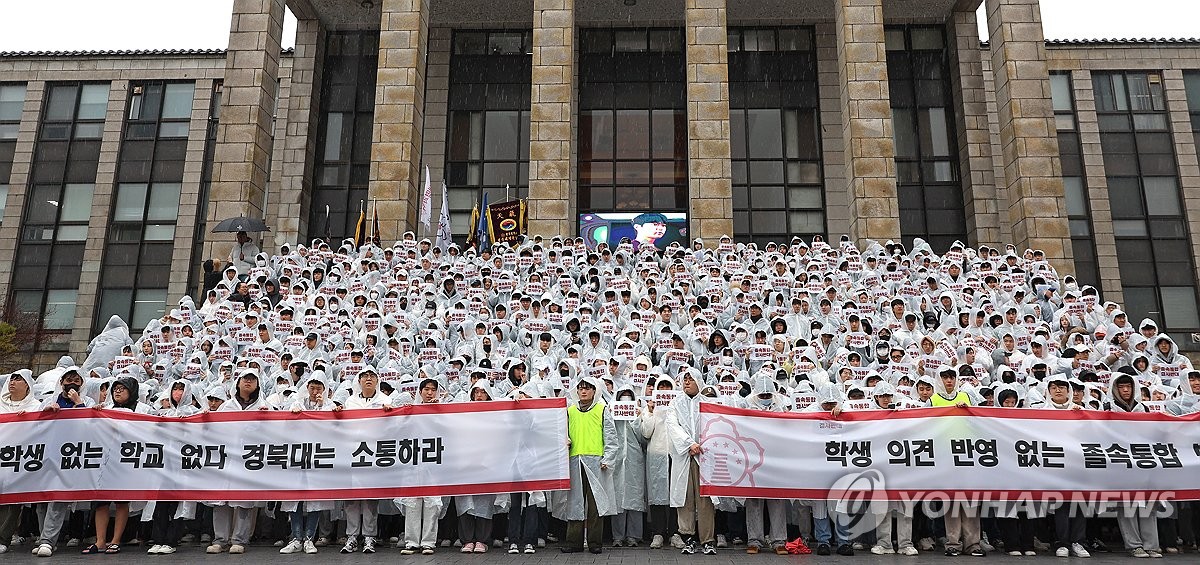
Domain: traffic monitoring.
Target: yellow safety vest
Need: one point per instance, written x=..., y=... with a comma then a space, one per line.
x=586, y=430
x=939, y=400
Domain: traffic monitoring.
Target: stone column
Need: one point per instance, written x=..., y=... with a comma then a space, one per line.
x=18, y=182
x=837, y=215
x=97, y=233
x=437, y=95
x=867, y=121
x=709, y=169
x=399, y=115
x=552, y=118
x=974, y=137
x=1185, y=155
x=1099, y=203
x=1028, y=137
x=244, y=138
x=299, y=142
x=182, y=263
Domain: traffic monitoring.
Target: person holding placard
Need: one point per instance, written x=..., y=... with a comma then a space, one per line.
x=659, y=461
x=629, y=472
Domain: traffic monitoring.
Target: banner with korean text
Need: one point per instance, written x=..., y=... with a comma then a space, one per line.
x=970, y=454
x=419, y=450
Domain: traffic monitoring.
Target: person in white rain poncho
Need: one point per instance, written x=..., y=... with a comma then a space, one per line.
x=803, y=324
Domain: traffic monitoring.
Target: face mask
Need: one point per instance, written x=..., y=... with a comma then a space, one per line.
x=71, y=387
x=764, y=402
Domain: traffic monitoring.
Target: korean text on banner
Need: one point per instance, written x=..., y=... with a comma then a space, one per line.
x=418, y=450
x=966, y=453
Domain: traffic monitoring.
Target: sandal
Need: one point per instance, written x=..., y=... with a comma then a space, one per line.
x=91, y=550
x=112, y=549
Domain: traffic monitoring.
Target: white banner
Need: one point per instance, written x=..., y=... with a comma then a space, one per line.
x=964, y=453
x=419, y=450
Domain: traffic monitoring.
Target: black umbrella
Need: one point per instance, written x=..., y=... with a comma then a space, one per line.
x=234, y=225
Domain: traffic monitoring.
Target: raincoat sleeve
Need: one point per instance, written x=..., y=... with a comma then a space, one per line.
x=610, y=440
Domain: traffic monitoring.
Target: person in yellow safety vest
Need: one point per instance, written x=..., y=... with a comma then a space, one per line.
x=962, y=517
x=592, y=438
x=948, y=394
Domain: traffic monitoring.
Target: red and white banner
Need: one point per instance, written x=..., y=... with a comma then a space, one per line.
x=419, y=450
x=963, y=453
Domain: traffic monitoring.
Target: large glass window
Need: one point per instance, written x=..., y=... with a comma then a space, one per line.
x=347, y=119
x=1153, y=249
x=487, y=144
x=1079, y=213
x=58, y=208
x=774, y=122
x=632, y=121
x=12, y=102
x=1191, y=81
x=927, y=179
x=141, y=232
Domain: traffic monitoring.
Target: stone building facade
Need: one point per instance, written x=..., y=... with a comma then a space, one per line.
x=881, y=120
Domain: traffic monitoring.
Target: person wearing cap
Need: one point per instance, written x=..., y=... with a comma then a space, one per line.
x=362, y=516
x=683, y=423
x=592, y=443
x=233, y=521
x=421, y=513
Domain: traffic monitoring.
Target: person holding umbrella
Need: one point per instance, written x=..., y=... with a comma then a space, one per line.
x=243, y=253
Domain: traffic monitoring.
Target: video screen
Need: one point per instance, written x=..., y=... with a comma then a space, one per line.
x=659, y=228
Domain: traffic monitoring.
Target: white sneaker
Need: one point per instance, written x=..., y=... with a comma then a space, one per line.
x=656, y=543
x=1015, y=553
x=1078, y=551
x=166, y=550
x=44, y=550
x=292, y=547
x=541, y=542
x=368, y=544
x=310, y=547
x=858, y=546
x=721, y=541
x=529, y=550
x=1062, y=552
x=153, y=550
x=909, y=551
x=3, y=548
x=408, y=550
x=214, y=548
x=237, y=549
x=676, y=542
x=880, y=550
x=513, y=549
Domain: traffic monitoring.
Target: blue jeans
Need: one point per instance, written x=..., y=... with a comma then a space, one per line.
x=840, y=527
x=304, y=524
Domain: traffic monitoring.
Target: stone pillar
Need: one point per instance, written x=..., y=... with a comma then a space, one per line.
x=182, y=263
x=552, y=118
x=709, y=169
x=437, y=96
x=837, y=214
x=1099, y=203
x=244, y=138
x=299, y=141
x=974, y=137
x=399, y=116
x=867, y=121
x=97, y=233
x=1028, y=137
x=18, y=182
x=1185, y=155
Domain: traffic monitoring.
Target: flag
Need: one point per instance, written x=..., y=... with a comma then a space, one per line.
x=328, y=238
x=443, y=232
x=427, y=202
x=375, y=238
x=481, y=231
x=472, y=235
x=506, y=221
x=360, y=227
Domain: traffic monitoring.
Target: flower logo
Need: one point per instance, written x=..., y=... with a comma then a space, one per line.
x=728, y=459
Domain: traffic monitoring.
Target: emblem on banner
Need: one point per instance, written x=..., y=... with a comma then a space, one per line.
x=729, y=459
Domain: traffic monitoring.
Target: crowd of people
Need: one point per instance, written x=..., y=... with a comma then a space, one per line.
x=324, y=327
